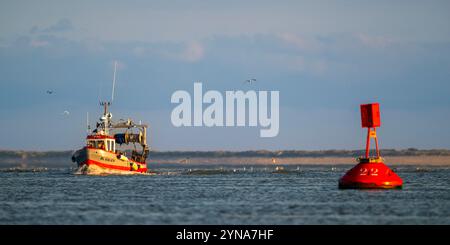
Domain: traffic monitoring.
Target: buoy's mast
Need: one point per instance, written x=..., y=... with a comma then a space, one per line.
x=370, y=119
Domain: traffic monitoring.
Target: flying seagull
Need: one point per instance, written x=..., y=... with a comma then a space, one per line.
x=250, y=81
x=66, y=113
x=50, y=92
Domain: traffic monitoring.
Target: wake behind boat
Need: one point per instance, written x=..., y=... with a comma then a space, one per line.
x=101, y=154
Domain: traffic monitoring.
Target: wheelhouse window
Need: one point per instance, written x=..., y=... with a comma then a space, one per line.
x=99, y=144
x=108, y=145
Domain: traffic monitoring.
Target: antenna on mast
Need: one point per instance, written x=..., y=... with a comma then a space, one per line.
x=114, y=81
x=88, y=127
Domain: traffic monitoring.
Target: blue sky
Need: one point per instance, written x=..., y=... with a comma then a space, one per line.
x=325, y=58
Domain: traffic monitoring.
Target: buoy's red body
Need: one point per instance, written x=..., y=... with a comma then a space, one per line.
x=370, y=175
x=370, y=172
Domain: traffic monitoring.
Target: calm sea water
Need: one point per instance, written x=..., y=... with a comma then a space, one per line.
x=299, y=195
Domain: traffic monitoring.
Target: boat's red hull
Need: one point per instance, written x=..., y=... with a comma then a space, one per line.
x=114, y=167
x=107, y=161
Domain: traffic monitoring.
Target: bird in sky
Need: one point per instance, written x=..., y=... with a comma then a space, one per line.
x=250, y=81
x=50, y=91
x=66, y=113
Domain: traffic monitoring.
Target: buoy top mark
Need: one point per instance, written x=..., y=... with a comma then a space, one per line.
x=370, y=115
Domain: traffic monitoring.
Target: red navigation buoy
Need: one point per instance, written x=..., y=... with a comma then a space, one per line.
x=370, y=172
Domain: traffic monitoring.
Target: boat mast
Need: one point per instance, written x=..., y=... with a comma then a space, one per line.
x=88, y=127
x=114, y=81
x=107, y=116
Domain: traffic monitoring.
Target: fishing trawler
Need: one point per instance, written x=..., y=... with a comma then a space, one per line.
x=101, y=154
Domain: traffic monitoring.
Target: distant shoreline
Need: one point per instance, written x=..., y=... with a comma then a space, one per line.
x=411, y=156
x=394, y=160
